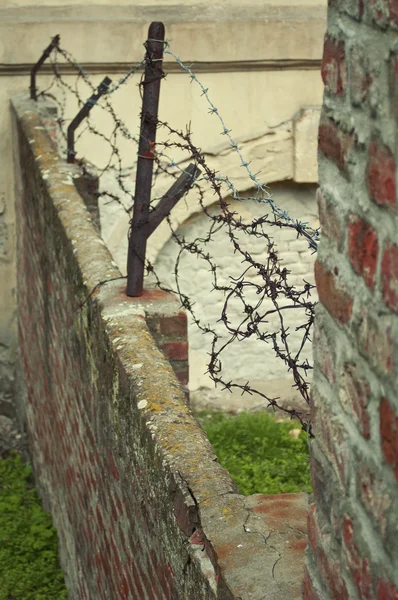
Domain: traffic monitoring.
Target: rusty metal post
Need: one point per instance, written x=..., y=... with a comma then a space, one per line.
x=139, y=223
x=33, y=90
x=82, y=114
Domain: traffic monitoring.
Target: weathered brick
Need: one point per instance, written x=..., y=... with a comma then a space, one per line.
x=354, y=395
x=175, y=350
x=393, y=80
x=361, y=78
x=386, y=590
x=363, y=248
x=358, y=565
x=389, y=276
x=314, y=532
x=329, y=218
x=384, y=12
x=334, y=69
x=354, y=8
x=389, y=434
x=335, y=143
x=309, y=592
x=349, y=473
x=332, y=437
x=324, y=354
x=375, y=341
x=335, y=299
x=329, y=566
x=381, y=174
x=174, y=326
x=183, y=376
x=321, y=476
x=374, y=496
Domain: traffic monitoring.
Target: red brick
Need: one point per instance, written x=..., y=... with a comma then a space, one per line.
x=113, y=468
x=114, y=514
x=354, y=8
x=332, y=438
x=384, y=12
x=119, y=505
x=358, y=565
x=336, y=300
x=386, y=590
x=174, y=326
x=334, y=69
x=183, y=376
x=99, y=518
x=137, y=578
x=123, y=589
x=330, y=570
x=374, y=496
x=381, y=174
x=375, y=341
x=309, y=592
x=389, y=434
x=176, y=350
x=393, y=12
x=324, y=354
x=363, y=249
x=337, y=444
x=329, y=218
x=354, y=397
x=389, y=275
x=335, y=143
x=393, y=68
x=361, y=79
x=321, y=476
x=314, y=533
x=379, y=11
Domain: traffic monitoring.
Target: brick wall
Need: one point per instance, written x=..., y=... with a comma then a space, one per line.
x=142, y=508
x=353, y=521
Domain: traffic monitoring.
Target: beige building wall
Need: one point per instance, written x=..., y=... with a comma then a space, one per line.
x=260, y=61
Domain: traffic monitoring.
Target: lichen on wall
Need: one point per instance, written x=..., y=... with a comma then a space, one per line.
x=130, y=479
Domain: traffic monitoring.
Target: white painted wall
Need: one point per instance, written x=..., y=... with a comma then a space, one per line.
x=249, y=359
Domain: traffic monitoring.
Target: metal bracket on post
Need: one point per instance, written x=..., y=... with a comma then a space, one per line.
x=170, y=199
x=82, y=114
x=143, y=183
x=33, y=90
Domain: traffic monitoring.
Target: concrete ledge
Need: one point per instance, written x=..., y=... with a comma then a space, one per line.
x=131, y=481
x=206, y=33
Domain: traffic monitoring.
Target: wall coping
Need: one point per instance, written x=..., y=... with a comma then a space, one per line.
x=253, y=546
x=199, y=33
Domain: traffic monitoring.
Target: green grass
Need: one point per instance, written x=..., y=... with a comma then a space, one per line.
x=29, y=566
x=259, y=453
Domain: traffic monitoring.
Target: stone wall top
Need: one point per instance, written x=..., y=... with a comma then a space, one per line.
x=140, y=392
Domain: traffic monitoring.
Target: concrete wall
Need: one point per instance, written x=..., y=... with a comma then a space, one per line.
x=264, y=56
x=354, y=517
x=142, y=508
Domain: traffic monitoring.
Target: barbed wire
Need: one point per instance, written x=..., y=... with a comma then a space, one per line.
x=256, y=292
